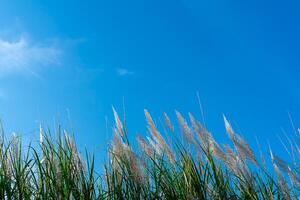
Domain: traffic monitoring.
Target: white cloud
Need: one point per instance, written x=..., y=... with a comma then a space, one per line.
x=23, y=56
x=124, y=72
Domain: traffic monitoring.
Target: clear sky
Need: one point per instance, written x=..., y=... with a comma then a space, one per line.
x=75, y=59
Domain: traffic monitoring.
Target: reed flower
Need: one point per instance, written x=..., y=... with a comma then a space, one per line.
x=119, y=125
x=244, y=149
x=15, y=150
x=134, y=164
x=228, y=128
x=144, y=145
x=201, y=132
x=187, y=132
x=158, y=138
x=283, y=186
x=154, y=146
x=168, y=122
x=242, y=146
x=216, y=149
x=157, y=170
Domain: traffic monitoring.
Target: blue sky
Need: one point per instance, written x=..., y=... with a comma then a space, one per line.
x=68, y=62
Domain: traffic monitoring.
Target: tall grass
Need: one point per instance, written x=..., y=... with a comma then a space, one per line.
x=161, y=167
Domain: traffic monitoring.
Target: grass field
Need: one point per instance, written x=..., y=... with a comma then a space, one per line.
x=195, y=167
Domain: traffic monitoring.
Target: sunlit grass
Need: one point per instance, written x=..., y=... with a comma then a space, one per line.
x=196, y=167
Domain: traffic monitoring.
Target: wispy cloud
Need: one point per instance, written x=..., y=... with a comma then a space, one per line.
x=124, y=72
x=23, y=56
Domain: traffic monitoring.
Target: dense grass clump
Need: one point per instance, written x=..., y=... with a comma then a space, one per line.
x=194, y=167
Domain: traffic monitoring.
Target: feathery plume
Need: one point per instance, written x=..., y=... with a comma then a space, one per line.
x=185, y=128
x=247, y=175
x=216, y=150
x=229, y=150
x=154, y=146
x=228, y=128
x=119, y=125
x=233, y=164
x=233, y=161
x=244, y=149
x=294, y=179
x=15, y=150
x=116, y=153
x=158, y=138
x=41, y=135
x=153, y=130
x=202, y=133
x=144, y=145
x=79, y=164
x=117, y=146
x=170, y=156
x=70, y=142
x=134, y=164
x=281, y=164
x=197, y=127
x=168, y=122
x=281, y=180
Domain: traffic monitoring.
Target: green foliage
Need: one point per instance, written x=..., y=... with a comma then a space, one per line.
x=196, y=167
